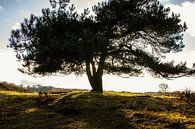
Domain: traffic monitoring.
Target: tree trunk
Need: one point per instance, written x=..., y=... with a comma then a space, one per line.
x=97, y=85
x=95, y=76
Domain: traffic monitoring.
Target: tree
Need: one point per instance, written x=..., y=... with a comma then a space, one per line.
x=122, y=37
x=163, y=87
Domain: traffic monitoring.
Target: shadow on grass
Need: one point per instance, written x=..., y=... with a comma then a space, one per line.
x=93, y=111
x=22, y=112
x=85, y=110
x=97, y=111
x=10, y=108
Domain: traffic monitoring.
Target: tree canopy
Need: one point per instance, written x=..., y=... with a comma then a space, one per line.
x=121, y=37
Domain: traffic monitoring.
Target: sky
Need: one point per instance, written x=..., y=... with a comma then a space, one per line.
x=13, y=12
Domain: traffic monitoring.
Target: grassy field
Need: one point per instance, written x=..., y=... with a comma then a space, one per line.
x=76, y=109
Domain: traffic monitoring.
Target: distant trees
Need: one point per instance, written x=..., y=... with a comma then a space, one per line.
x=12, y=87
x=163, y=87
x=123, y=37
x=38, y=88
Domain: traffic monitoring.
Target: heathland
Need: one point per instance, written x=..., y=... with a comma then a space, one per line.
x=82, y=109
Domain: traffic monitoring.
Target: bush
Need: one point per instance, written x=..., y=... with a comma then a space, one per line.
x=188, y=96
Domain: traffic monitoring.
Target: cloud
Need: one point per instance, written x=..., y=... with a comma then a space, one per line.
x=8, y=66
x=24, y=13
x=177, y=2
x=189, y=41
x=83, y=4
x=181, y=1
x=1, y=8
x=165, y=1
x=186, y=10
x=16, y=26
x=189, y=57
x=87, y=3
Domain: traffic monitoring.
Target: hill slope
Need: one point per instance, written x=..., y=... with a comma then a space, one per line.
x=84, y=110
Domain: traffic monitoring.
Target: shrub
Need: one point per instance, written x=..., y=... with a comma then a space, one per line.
x=187, y=95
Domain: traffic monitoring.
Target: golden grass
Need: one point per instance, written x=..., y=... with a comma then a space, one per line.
x=15, y=93
x=31, y=110
x=127, y=94
x=82, y=109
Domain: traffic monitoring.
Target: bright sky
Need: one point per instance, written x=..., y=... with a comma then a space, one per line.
x=12, y=12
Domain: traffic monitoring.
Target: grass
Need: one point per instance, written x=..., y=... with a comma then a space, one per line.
x=16, y=93
x=81, y=109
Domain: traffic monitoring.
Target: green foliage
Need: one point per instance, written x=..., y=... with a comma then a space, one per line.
x=123, y=38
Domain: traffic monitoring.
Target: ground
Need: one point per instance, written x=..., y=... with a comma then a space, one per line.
x=81, y=109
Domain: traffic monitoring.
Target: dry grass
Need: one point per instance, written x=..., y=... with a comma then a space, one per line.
x=15, y=93
x=85, y=110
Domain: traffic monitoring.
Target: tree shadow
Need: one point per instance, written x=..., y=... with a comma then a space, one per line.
x=86, y=110
x=22, y=112
x=97, y=111
x=94, y=109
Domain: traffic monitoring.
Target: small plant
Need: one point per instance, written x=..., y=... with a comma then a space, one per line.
x=188, y=96
x=43, y=98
